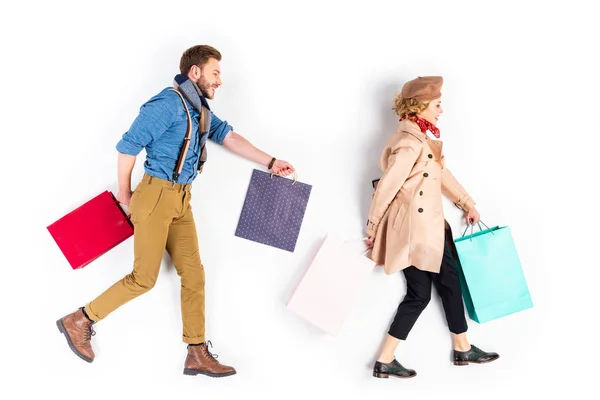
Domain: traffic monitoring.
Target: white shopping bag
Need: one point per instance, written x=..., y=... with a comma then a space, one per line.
x=331, y=285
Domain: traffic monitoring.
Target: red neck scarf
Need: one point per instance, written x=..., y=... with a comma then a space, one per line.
x=423, y=124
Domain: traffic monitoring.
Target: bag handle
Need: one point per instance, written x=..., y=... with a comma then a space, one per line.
x=364, y=253
x=126, y=216
x=186, y=140
x=295, y=177
x=481, y=230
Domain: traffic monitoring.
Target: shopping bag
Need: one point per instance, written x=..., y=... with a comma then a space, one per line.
x=331, y=285
x=492, y=278
x=91, y=230
x=273, y=210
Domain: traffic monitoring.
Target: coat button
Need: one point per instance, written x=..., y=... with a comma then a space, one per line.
x=421, y=193
x=425, y=174
x=430, y=155
x=420, y=210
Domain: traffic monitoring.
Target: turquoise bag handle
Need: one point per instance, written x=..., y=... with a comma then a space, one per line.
x=478, y=224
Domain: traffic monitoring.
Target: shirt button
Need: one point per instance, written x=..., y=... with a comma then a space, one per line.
x=421, y=193
x=430, y=155
x=425, y=174
x=420, y=210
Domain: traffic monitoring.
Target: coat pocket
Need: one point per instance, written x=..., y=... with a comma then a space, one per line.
x=399, y=220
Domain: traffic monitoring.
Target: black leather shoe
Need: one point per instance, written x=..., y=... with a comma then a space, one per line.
x=381, y=370
x=475, y=355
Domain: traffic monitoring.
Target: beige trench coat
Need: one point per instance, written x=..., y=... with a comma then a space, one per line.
x=406, y=216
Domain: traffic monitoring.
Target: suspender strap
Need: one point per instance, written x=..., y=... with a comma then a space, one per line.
x=186, y=140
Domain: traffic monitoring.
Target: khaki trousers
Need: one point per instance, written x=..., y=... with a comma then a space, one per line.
x=162, y=219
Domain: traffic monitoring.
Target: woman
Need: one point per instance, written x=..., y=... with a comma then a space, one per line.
x=406, y=226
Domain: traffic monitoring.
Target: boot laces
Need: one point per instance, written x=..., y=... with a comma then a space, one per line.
x=208, y=353
x=88, y=332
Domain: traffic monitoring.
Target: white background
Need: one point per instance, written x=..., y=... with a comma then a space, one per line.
x=312, y=83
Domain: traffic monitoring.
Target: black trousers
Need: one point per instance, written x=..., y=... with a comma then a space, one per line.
x=418, y=294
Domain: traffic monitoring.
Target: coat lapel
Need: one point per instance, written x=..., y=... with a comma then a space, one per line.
x=436, y=149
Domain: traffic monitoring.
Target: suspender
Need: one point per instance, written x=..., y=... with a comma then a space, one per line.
x=188, y=137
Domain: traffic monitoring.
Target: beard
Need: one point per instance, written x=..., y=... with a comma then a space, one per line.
x=205, y=88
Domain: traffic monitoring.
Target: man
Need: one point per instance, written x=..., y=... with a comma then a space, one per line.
x=160, y=206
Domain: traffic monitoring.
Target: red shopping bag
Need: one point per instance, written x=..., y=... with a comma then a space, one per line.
x=91, y=230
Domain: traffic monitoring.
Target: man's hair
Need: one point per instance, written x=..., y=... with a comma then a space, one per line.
x=197, y=55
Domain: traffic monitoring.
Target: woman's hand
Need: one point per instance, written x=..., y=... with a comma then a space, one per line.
x=370, y=242
x=473, y=217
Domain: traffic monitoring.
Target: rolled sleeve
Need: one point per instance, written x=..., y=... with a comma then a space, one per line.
x=218, y=129
x=154, y=118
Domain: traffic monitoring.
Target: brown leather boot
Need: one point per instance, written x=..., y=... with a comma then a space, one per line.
x=201, y=361
x=78, y=331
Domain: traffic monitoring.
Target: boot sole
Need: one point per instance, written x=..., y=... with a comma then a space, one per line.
x=192, y=372
x=386, y=376
x=461, y=363
x=61, y=329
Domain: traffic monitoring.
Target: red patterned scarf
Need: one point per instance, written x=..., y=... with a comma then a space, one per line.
x=423, y=124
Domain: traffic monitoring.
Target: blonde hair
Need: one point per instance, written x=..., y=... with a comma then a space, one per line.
x=404, y=107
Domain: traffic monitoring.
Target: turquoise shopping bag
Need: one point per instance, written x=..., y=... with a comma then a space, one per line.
x=492, y=280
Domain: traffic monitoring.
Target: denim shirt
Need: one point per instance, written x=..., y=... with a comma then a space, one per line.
x=160, y=128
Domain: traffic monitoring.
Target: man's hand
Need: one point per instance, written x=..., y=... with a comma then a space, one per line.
x=124, y=197
x=473, y=217
x=282, y=168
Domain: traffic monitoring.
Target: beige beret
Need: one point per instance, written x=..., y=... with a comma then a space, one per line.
x=423, y=89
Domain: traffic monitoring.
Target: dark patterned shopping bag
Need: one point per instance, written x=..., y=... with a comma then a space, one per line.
x=273, y=210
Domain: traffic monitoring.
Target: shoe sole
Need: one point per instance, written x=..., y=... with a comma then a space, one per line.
x=192, y=372
x=386, y=376
x=63, y=330
x=461, y=363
